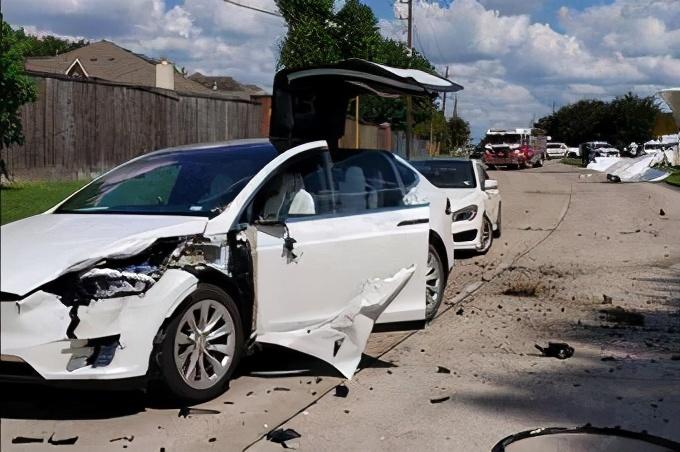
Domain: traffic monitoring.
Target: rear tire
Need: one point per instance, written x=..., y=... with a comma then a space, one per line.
x=202, y=345
x=435, y=279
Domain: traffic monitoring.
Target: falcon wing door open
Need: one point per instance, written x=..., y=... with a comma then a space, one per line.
x=311, y=104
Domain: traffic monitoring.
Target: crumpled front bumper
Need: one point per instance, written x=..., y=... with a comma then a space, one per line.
x=33, y=330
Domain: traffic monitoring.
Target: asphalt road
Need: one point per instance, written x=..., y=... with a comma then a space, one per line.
x=605, y=268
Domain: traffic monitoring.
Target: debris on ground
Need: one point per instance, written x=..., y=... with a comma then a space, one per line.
x=439, y=399
x=662, y=213
x=606, y=299
x=280, y=436
x=62, y=442
x=279, y=388
x=617, y=314
x=559, y=350
x=523, y=287
x=26, y=440
x=443, y=370
x=129, y=439
x=459, y=311
x=341, y=391
x=186, y=411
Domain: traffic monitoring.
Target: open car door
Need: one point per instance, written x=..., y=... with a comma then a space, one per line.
x=338, y=240
x=311, y=104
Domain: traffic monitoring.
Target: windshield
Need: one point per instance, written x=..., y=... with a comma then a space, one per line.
x=188, y=182
x=509, y=138
x=447, y=173
x=554, y=145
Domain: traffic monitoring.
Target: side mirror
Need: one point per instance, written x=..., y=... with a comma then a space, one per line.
x=490, y=184
x=275, y=228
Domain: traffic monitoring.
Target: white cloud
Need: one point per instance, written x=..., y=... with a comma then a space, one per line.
x=512, y=68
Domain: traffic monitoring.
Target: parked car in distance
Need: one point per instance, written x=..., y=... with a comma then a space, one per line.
x=475, y=200
x=599, y=149
x=573, y=152
x=555, y=149
x=172, y=264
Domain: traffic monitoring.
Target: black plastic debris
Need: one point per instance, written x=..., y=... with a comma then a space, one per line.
x=439, y=399
x=607, y=358
x=129, y=439
x=662, y=213
x=186, y=411
x=280, y=436
x=586, y=438
x=606, y=299
x=459, y=311
x=26, y=440
x=62, y=442
x=341, y=391
x=212, y=440
x=443, y=370
x=279, y=388
x=559, y=350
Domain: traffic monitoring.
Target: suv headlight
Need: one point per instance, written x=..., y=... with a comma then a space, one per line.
x=465, y=214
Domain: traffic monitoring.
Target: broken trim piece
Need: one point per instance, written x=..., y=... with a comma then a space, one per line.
x=341, y=340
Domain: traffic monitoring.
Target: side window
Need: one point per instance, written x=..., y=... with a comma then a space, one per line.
x=363, y=181
x=408, y=177
x=299, y=189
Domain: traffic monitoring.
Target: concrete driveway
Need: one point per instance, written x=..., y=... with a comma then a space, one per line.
x=580, y=261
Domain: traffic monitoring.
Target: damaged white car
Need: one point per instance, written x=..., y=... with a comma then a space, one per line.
x=171, y=265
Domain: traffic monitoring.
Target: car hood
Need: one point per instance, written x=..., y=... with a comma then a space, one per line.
x=38, y=249
x=461, y=197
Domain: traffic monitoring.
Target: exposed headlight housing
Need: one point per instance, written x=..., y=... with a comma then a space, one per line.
x=465, y=214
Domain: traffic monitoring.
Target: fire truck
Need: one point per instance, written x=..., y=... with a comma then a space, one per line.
x=516, y=148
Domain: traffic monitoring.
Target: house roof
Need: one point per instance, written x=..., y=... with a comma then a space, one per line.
x=107, y=61
x=225, y=84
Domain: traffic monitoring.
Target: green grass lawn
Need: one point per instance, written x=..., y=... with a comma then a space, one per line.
x=23, y=199
x=674, y=179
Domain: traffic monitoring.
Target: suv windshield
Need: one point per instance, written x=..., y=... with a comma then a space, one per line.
x=447, y=173
x=187, y=182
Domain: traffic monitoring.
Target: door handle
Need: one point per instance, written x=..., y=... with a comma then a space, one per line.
x=416, y=221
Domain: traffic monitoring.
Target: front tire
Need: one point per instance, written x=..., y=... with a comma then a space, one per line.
x=487, y=236
x=434, y=283
x=202, y=346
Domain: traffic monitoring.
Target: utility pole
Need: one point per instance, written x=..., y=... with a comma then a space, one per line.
x=445, y=93
x=409, y=104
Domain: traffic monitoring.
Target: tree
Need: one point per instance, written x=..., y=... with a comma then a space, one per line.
x=34, y=46
x=16, y=88
x=459, y=132
x=625, y=119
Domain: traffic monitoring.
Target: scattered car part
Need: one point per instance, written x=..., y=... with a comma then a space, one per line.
x=595, y=439
x=559, y=350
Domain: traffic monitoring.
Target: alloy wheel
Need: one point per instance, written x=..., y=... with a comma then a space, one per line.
x=204, y=344
x=433, y=283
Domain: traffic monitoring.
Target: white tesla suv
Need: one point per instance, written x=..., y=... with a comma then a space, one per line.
x=171, y=264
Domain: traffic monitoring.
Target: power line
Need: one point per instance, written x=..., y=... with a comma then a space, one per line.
x=271, y=13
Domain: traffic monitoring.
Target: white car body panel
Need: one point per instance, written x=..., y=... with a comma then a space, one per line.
x=64, y=242
x=554, y=150
x=34, y=329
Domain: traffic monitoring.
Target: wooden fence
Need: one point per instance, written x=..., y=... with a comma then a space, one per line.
x=78, y=129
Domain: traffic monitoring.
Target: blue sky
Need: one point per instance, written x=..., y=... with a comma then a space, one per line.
x=515, y=58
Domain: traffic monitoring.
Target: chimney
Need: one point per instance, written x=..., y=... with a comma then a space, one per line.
x=165, y=75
